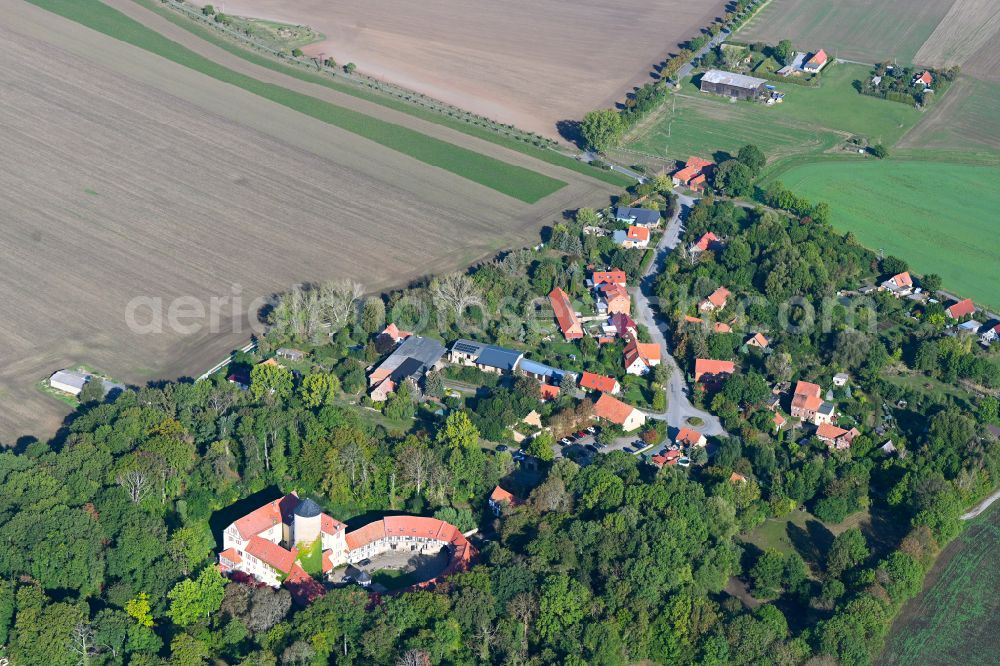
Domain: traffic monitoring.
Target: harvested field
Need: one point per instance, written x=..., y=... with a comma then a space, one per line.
x=967, y=27
x=532, y=63
x=965, y=123
x=863, y=31
x=127, y=175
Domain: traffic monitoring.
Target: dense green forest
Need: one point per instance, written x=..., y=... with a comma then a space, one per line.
x=111, y=528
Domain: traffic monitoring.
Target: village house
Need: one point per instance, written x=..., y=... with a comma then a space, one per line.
x=635, y=237
x=488, y=358
x=265, y=544
x=841, y=379
x=614, y=299
x=834, y=437
x=641, y=217
x=548, y=392
x=779, y=421
x=669, y=457
x=412, y=360
x=721, y=327
x=614, y=410
x=808, y=405
x=730, y=84
x=693, y=174
x=599, y=383
x=716, y=300
x=898, y=285
x=641, y=357
x=545, y=374
x=392, y=335
x=923, y=79
x=613, y=276
x=816, y=62
x=736, y=477
x=708, y=371
x=961, y=309
x=501, y=499
x=624, y=326
x=708, y=241
x=690, y=438
x=758, y=340
x=569, y=323
x=990, y=334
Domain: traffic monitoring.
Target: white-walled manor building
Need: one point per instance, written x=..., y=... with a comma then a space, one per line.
x=265, y=543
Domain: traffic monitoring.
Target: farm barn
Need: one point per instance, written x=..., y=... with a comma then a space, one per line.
x=729, y=84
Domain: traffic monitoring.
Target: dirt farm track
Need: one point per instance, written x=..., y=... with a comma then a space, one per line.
x=126, y=175
x=527, y=62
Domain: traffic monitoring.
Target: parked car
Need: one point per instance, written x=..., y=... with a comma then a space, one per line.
x=592, y=430
x=565, y=441
x=502, y=448
x=580, y=434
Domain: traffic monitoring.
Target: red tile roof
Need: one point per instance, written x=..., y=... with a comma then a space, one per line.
x=666, y=458
x=594, y=382
x=706, y=241
x=638, y=233
x=902, y=279
x=272, y=554
x=737, y=477
x=693, y=320
x=393, y=332
x=612, y=409
x=759, y=340
x=829, y=431
x=818, y=58
x=365, y=535
x=685, y=174
x=548, y=391
x=961, y=309
x=718, y=297
x=699, y=162
x=647, y=351
x=622, y=323
x=501, y=495
x=926, y=78
x=779, y=420
x=721, y=327
x=704, y=366
x=807, y=396
x=267, y=516
x=232, y=555
x=330, y=525
x=568, y=321
x=614, y=276
x=688, y=437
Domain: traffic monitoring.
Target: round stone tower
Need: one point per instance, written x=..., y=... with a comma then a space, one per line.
x=307, y=522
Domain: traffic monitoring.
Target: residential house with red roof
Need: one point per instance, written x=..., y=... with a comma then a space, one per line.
x=641, y=357
x=635, y=237
x=961, y=309
x=393, y=334
x=758, y=340
x=922, y=79
x=707, y=241
x=693, y=173
x=624, y=325
x=669, y=457
x=500, y=498
x=715, y=301
x=709, y=371
x=834, y=437
x=614, y=299
x=599, y=383
x=816, y=62
x=613, y=276
x=808, y=404
x=689, y=437
x=721, y=327
x=614, y=410
x=569, y=323
x=898, y=285
x=548, y=392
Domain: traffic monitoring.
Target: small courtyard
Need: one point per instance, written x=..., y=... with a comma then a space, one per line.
x=395, y=569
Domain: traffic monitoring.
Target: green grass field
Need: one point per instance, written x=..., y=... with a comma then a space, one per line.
x=514, y=181
x=940, y=217
x=957, y=617
x=350, y=88
x=809, y=122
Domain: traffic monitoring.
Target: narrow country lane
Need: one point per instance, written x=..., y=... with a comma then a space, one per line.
x=679, y=407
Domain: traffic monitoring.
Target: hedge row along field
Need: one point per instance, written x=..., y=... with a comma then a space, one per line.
x=518, y=182
x=544, y=154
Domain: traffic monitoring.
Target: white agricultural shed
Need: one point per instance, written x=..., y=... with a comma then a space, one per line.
x=68, y=381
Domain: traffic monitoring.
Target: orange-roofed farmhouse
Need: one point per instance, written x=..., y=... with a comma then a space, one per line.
x=641, y=357
x=808, y=405
x=614, y=276
x=816, y=62
x=758, y=340
x=715, y=301
x=696, y=168
x=835, y=437
x=635, y=237
x=961, y=309
x=614, y=410
x=599, y=383
x=569, y=323
x=708, y=371
x=898, y=285
x=707, y=241
x=501, y=498
x=689, y=437
x=923, y=79
x=615, y=299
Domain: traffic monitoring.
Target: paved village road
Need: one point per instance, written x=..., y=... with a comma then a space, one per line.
x=679, y=407
x=982, y=506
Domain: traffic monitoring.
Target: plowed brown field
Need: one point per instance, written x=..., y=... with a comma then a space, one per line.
x=527, y=62
x=126, y=175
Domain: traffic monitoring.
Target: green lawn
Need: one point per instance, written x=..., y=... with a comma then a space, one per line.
x=807, y=123
x=515, y=181
x=941, y=218
x=356, y=90
x=956, y=619
x=393, y=579
x=311, y=557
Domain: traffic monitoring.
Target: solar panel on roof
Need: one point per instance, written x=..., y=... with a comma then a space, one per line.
x=466, y=348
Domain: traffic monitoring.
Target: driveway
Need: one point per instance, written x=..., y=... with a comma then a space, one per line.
x=679, y=407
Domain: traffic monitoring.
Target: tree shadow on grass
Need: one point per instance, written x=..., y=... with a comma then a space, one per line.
x=812, y=543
